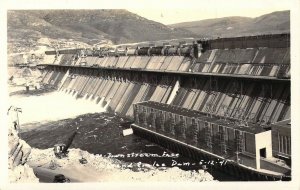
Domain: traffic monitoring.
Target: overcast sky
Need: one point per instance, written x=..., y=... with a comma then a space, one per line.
x=168, y=12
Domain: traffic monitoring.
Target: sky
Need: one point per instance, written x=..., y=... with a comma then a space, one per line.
x=166, y=11
x=191, y=10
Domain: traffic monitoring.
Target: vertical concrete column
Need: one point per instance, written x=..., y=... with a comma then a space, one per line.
x=136, y=114
x=91, y=97
x=257, y=158
x=101, y=102
x=97, y=99
x=145, y=123
x=107, y=104
x=85, y=96
x=75, y=94
x=174, y=92
x=162, y=121
x=140, y=113
x=211, y=59
x=196, y=132
x=172, y=125
x=63, y=80
x=153, y=119
x=183, y=128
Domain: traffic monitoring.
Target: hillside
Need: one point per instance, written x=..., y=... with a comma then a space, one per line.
x=276, y=22
x=25, y=27
x=29, y=29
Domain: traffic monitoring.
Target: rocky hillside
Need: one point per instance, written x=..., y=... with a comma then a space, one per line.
x=18, y=152
x=276, y=22
x=88, y=26
x=29, y=29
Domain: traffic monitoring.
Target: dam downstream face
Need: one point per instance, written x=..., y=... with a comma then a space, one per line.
x=219, y=101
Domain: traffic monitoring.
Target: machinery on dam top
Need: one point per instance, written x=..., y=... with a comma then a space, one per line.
x=226, y=98
x=266, y=56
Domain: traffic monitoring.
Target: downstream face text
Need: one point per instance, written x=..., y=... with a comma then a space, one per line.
x=141, y=155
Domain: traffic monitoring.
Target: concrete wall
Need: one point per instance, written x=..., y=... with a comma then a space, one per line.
x=279, y=40
x=263, y=140
x=272, y=167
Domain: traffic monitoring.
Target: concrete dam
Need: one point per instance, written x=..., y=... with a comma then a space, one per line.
x=220, y=99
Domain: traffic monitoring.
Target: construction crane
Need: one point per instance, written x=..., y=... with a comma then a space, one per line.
x=61, y=150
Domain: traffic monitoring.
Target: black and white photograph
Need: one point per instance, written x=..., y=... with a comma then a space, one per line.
x=150, y=92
